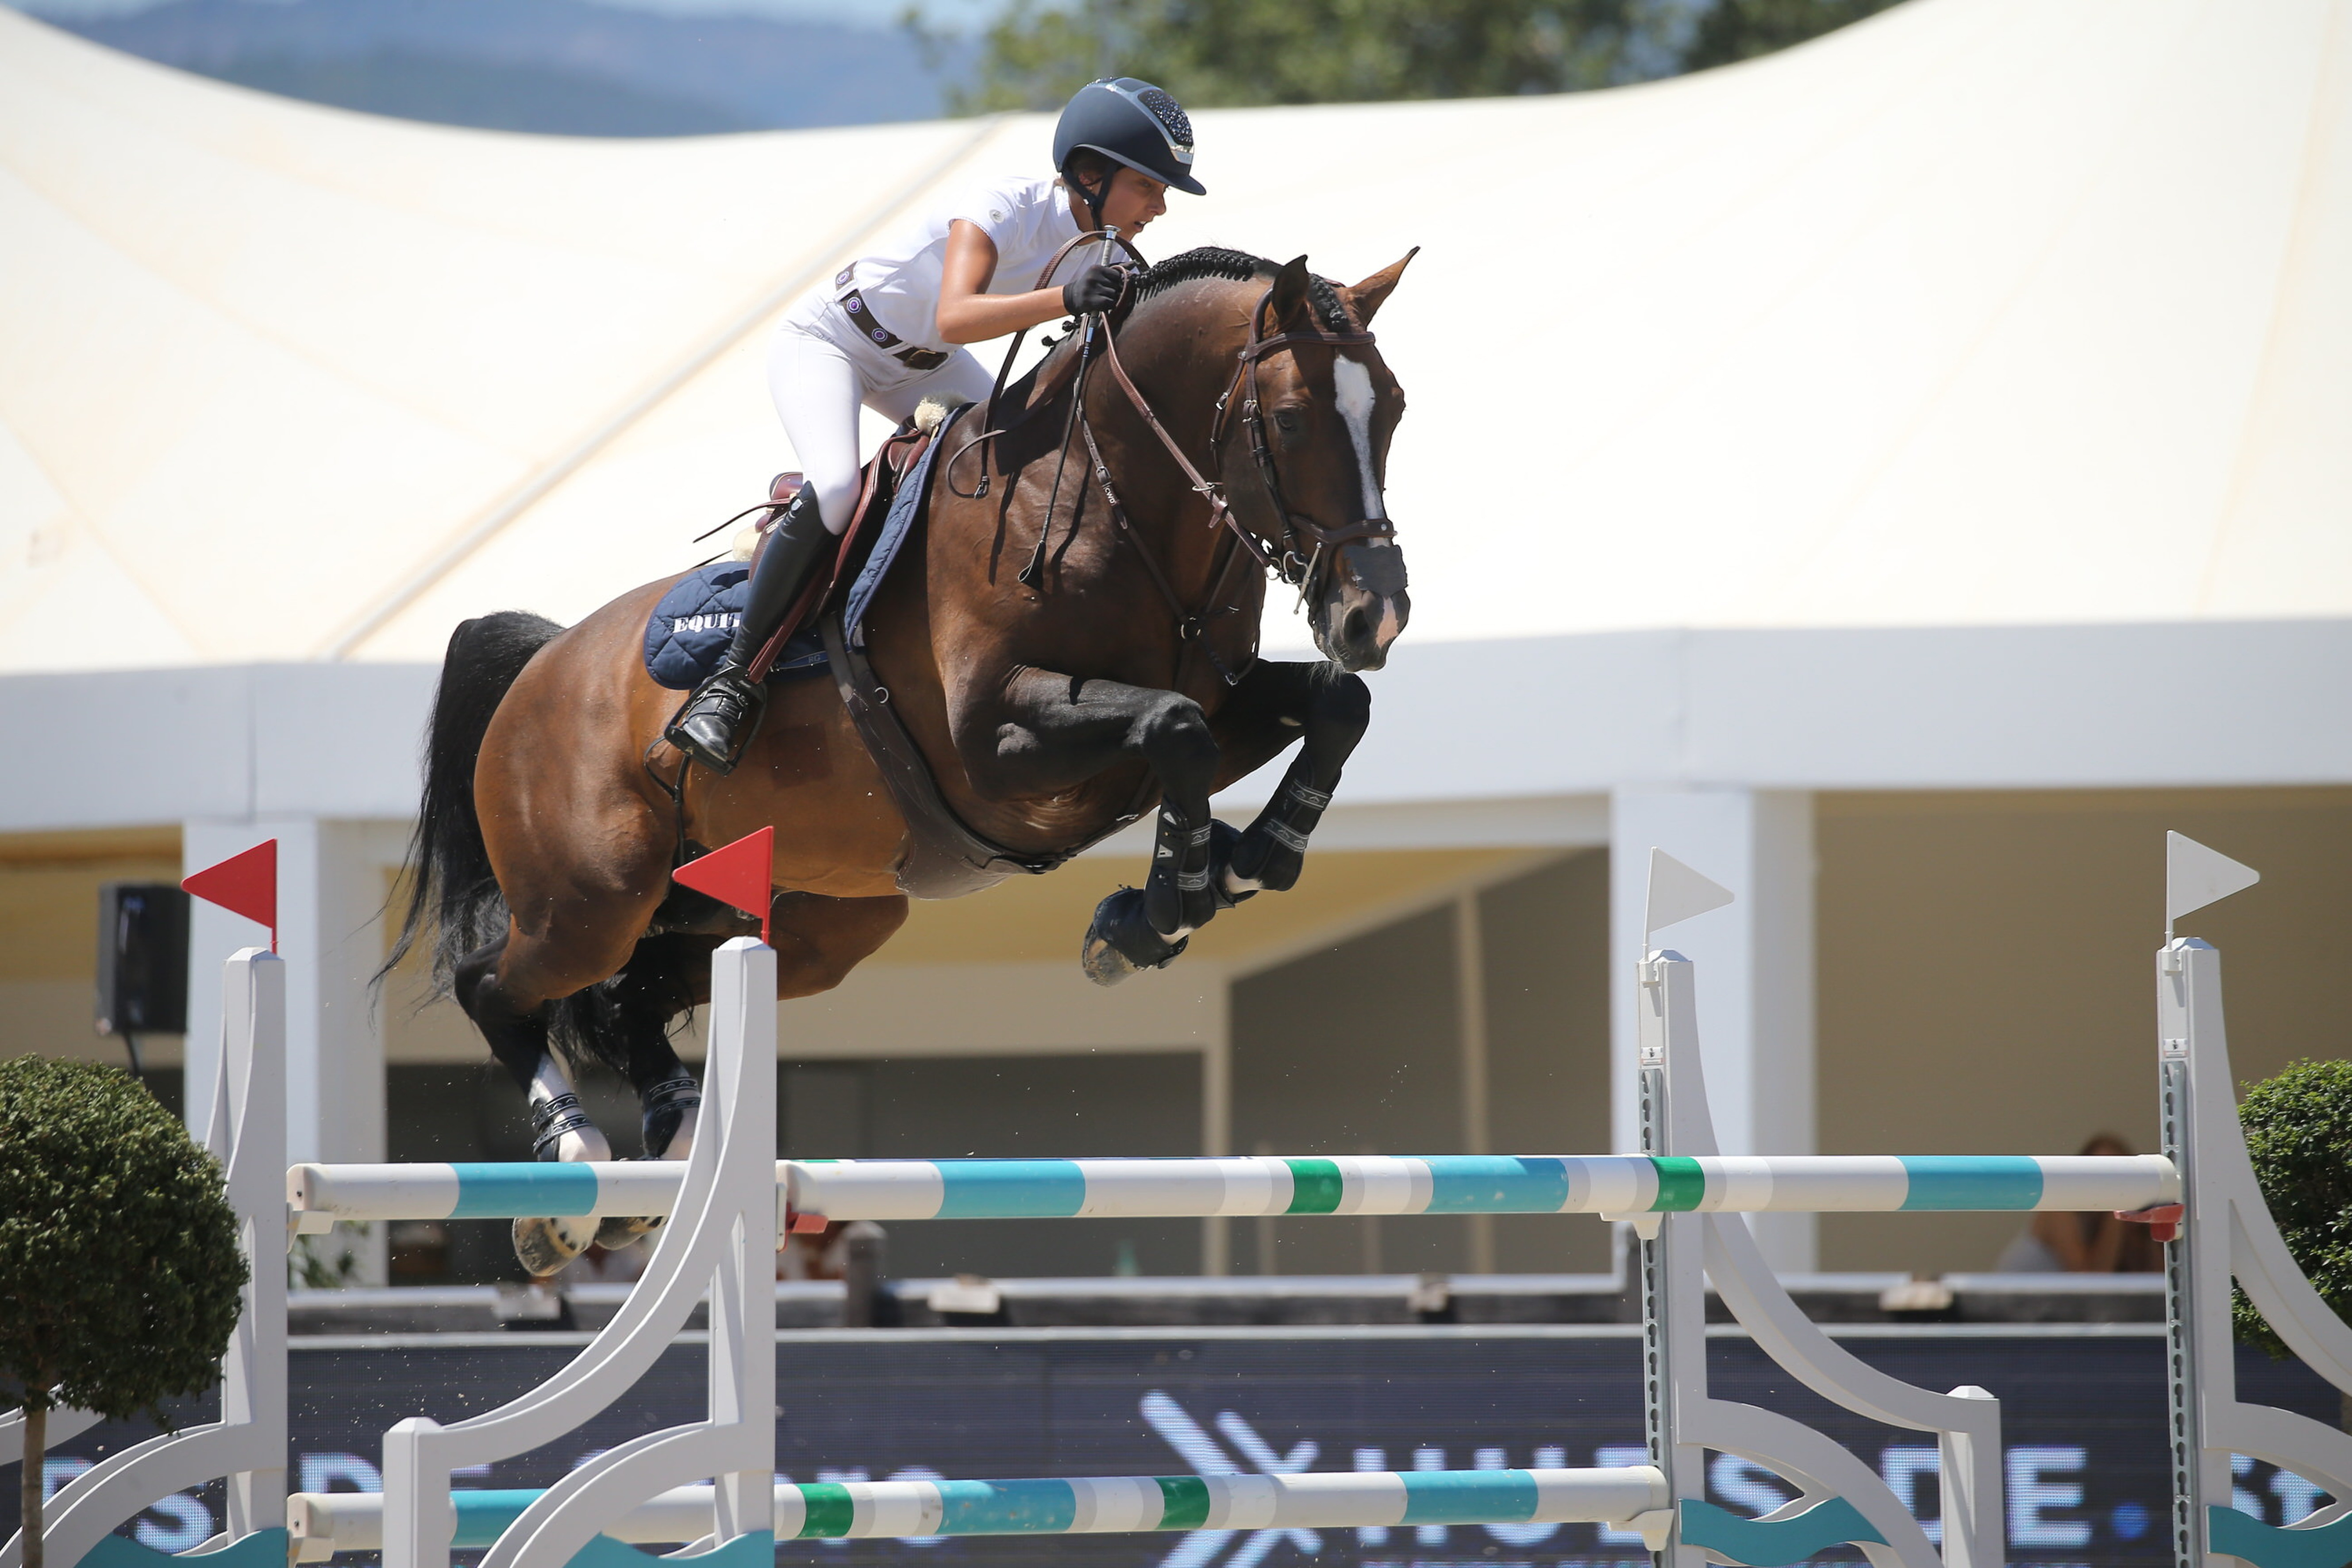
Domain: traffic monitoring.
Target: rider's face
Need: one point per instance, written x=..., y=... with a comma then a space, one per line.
x=1134, y=201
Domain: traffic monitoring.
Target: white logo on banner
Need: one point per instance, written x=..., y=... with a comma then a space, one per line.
x=1196, y=1448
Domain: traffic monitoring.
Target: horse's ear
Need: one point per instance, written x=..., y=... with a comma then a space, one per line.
x=1289, y=290
x=1368, y=295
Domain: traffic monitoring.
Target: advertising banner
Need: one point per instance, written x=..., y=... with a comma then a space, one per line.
x=2083, y=1411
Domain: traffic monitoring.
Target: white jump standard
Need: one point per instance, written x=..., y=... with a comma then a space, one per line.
x=247, y=1444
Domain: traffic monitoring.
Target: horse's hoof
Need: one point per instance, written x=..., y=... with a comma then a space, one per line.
x=1120, y=941
x=545, y=1246
x=619, y=1231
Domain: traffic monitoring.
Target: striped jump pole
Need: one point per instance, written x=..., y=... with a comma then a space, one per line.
x=324, y=1524
x=1618, y=1186
x=1615, y=1185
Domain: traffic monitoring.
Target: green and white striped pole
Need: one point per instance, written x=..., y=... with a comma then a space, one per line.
x=325, y=1524
x=1616, y=1185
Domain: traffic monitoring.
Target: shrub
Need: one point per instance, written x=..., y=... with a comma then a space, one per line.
x=119, y=1260
x=2299, y=1133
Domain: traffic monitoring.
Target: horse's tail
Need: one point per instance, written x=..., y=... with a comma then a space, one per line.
x=451, y=889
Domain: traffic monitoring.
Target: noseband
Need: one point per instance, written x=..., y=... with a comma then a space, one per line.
x=1304, y=553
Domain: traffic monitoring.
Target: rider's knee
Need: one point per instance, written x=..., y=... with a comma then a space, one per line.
x=835, y=495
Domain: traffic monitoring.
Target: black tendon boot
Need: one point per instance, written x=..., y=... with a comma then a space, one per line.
x=718, y=721
x=1269, y=855
x=671, y=1108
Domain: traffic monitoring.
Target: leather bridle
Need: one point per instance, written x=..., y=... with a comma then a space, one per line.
x=1301, y=555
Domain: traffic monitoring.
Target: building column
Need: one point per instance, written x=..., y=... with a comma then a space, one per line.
x=1755, y=963
x=331, y=899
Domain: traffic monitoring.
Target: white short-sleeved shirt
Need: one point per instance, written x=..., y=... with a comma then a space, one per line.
x=1029, y=219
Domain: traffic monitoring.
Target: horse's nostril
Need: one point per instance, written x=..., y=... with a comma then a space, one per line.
x=1354, y=628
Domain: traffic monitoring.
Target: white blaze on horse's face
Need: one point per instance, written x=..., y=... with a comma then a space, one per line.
x=1353, y=383
x=1367, y=623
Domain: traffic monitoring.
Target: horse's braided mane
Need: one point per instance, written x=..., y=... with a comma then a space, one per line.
x=1208, y=263
x=1236, y=267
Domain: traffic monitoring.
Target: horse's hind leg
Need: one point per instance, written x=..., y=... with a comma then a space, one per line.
x=560, y=1128
x=657, y=984
x=818, y=941
x=1329, y=710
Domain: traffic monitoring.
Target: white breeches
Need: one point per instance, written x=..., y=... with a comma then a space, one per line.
x=820, y=372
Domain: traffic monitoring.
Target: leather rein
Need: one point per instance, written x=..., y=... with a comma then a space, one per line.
x=1282, y=558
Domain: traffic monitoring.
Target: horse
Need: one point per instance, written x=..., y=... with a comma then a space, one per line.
x=1228, y=423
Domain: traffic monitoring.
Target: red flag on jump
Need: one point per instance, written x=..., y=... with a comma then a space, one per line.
x=244, y=884
x=740, y=874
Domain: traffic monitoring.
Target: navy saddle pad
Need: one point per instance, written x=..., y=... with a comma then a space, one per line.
x=690, y=628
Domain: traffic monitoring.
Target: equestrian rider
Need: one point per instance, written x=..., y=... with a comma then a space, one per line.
x=887, y=335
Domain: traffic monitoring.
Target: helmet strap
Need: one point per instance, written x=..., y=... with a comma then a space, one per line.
x=1093, y=199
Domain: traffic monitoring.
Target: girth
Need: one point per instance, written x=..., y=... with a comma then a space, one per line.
x=944, y=858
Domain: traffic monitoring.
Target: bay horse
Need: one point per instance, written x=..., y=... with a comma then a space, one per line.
x=1232, y=423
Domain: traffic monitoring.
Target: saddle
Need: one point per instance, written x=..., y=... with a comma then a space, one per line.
x=944, y=858
x=882, y=473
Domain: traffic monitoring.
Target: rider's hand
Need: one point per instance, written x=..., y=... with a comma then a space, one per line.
x=1095, y=289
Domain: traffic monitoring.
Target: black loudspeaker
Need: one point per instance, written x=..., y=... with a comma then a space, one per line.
x=143, y=959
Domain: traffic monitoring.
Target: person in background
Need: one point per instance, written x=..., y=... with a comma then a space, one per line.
x=2062, y=1243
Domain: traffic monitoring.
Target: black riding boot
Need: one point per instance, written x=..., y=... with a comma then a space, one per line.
x=718, y=722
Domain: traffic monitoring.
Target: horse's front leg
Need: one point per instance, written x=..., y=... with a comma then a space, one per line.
x=1325, y=708
x=1045, y=731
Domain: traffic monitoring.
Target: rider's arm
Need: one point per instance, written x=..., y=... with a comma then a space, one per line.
x=968, y=315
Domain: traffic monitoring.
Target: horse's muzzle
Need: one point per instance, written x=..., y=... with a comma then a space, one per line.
x=1364, y=607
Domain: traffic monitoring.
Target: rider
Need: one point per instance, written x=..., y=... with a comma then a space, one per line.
x=887, y=335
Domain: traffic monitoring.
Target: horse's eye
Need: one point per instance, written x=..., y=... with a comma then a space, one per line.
x=1287, y=420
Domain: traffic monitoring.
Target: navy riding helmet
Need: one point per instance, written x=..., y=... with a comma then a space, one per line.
x=1130, y=122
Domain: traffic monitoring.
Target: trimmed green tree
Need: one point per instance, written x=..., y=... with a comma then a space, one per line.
x=119, y=1257
x=2299, y=1133
x=1219, y=53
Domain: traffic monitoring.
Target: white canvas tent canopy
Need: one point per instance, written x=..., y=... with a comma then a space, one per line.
x=1983, y=312
x=1958, y=401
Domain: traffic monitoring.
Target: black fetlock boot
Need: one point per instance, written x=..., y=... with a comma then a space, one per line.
x=718, y=721
x=671, y=1114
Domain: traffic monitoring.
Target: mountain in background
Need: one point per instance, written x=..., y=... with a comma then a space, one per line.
x=553, y=66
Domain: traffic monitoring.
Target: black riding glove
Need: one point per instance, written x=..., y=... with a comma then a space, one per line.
x=1095, y=289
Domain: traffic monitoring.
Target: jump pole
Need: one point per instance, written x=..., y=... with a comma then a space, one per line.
x=325, y=1524
x=1613, y=1186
